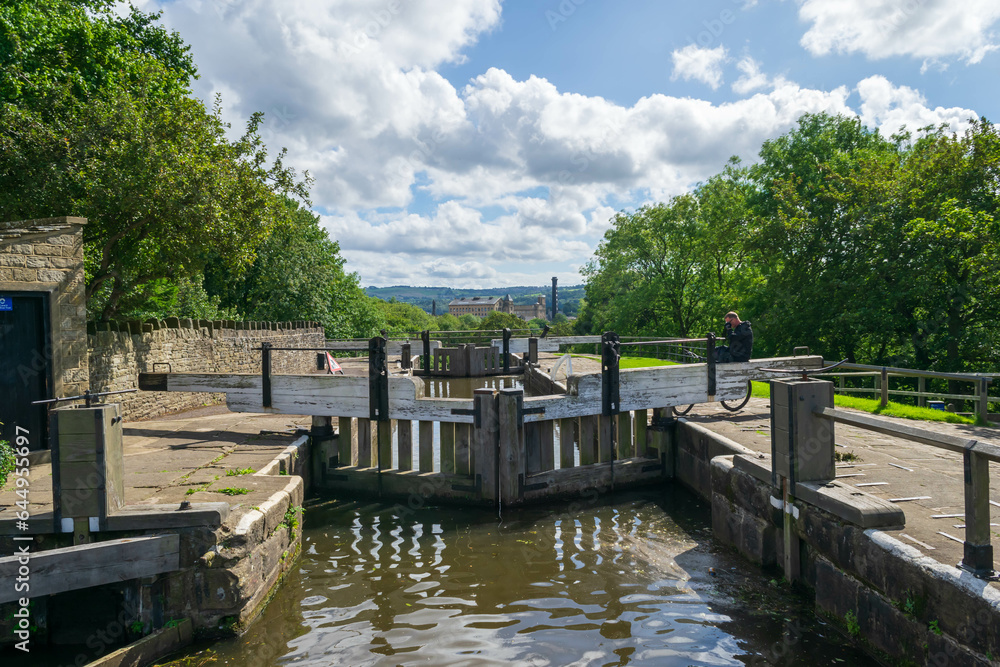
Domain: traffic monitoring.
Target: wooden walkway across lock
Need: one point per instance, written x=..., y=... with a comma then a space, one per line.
x=496, y=446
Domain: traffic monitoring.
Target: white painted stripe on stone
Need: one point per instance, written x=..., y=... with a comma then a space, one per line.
x=918, y=542
x=945, y=516
x=896, y=465
x=904, y=500
x=872, y=484
x=951, y=537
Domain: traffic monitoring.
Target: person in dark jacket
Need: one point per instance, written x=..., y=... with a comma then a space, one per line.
x=739, y=339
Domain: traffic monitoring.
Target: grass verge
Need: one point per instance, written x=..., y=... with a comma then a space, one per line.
x=763, y=390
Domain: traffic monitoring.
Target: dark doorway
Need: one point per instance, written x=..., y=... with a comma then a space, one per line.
x=25, y=366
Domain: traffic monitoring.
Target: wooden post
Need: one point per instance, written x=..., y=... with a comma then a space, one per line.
x=532, y=448
x=463, y=449
x=641, y=423
x=567, y=442
x=978, y=556
x=511, y=447
x=347, y=442
x=625, y=435
x=364, y=442
x=322, y=442
x=486, y=442
x=922, y=389
x=605, y=438
x=884, y=386
x=533, y=350
x=426, y=454
x=383, y=431
x=588, y=440
x=546, y=441
x=405, y=439
x=984, y=403
x=447, y=447
x=656, y=438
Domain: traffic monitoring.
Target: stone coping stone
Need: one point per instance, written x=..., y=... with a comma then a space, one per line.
x=843, y=501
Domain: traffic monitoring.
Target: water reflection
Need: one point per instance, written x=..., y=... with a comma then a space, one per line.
x=610, y=583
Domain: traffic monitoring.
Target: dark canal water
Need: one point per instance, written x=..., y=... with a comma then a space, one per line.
x=630, y=580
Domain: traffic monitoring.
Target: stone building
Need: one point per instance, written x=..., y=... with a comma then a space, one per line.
x=481, y=306
x=43, y=320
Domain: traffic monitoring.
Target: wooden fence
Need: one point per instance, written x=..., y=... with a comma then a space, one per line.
x=881, y=374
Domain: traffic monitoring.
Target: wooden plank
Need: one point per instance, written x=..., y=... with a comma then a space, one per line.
x=511, y=448
x=167, y=516
x=447, y=430
x=546, y=442
x=404, y=436
x=567, y=442
x=149, y=649
x=940, y=440
x=588, y=440
x=364, y=442
x=532, y=448
x=486, y=442
x=573, y=482
x=383, y=435
x=463, y=449
x=625, y=449
x=72, y=568
x=426, y=454
x=347, y=441
x=407, y=484
x=641, y=424
x=605, y=444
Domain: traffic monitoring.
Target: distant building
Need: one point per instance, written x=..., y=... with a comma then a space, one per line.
x=481, y=306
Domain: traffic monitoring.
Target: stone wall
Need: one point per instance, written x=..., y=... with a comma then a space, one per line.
x=906, y=607
x=120, y=351
x=46, y=256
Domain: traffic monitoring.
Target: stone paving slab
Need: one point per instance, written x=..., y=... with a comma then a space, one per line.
x=169, y=455
x=907, y=470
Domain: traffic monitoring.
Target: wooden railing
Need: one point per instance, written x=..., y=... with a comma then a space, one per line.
x=976, y=460
x=881, y=374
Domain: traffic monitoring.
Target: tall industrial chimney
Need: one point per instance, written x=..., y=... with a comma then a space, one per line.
x=555, y=296
x=434, y=307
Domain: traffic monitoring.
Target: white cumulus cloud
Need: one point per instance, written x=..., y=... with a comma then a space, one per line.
x=926, y=29
x=698, y=64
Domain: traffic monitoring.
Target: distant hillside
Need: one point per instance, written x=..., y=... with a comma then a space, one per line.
x=569, y=296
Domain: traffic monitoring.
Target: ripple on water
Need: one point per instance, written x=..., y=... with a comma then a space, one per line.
x=620, y=582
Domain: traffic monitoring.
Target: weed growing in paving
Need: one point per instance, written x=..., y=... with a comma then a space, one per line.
x=234, y=472
x=233, y=491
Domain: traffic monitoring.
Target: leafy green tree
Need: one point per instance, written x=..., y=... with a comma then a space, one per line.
x=949, y=188
x=448, y=322
x=404, y=318
x=469, y=322
x=95, y=121
x=818, y=239
x=496, y=321
x=654, y=273
x=297, y=274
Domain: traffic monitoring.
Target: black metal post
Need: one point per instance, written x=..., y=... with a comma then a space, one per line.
x=710, y=363
x=425, y=336
x=265, y=373
x=506, y=351
x=610, y=363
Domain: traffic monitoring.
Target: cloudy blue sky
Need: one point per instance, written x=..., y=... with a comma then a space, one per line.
x=479, y=142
